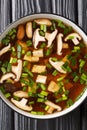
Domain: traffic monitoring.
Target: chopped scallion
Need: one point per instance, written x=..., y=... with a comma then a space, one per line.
x=31, y=102
x=25, y=63
x=69, y=102
x=16, y=98
x=29, y=43
x=84, y=77
x=7, y=95
x=9, y=67
x=34, y=25
x=41, y=33
x=85, y=56
x=24, y=88
x=3, y=69
x=47, y=107
x=24, y=75
x=55, y=72
x=40, y=100
x=54, y=59
x=43, y=28
x=48, y=52
x=49, y=66
x=40, y=113
x=76, y=78
x=44, y=93
x=28, y=71
x=43, y=87
x=43, y=45
x=30, y=94
x=2, y=89
x=64, y=97
x=60, y=79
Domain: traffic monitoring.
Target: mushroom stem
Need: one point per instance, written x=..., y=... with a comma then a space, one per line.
x=17, y=70
x=59, y=43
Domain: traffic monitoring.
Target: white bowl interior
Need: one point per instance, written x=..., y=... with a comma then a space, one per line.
x=78, y=30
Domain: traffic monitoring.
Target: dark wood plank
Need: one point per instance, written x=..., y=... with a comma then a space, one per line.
x=6, y=114
x=82, y=22
x=6, y=117
x=72, y=9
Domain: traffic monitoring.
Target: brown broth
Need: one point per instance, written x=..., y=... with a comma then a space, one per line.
x=74, y=88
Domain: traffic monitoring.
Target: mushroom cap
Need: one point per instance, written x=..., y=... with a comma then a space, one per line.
x=7, y=76
x=22, y=104
x=5, y=49
x=43, y=21
x=75, y=39
x=29, y=30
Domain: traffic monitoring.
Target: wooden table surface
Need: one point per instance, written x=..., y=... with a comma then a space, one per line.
x=11, y=10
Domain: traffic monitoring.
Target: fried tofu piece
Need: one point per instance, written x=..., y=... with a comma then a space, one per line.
x=41, y=79
x=53, y=87
x=38, y=68
x=31, y=58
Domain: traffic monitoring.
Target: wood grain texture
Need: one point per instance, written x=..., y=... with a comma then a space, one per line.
x=11, y=10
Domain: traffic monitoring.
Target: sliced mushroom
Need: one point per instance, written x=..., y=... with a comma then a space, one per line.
x=22, y=104
x=5, y=49
x=41, y=79
x=17, y=70
x=50, y=110
x=38, y=68
x=20, y=32
x=21, y=94
x=37, y=38
x=50, y=37
x=43, y=21
x=53, y=87
x=51, y=104
x=59, y=43
x=75, y=38
x=57, y=65
x=31, y=58
x=7, y=76
x=29, y=30
x=38, y=53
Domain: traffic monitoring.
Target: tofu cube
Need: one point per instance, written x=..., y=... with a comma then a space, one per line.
x=41, y=79
x=31, y=58
x=38, y=53
x=53, y=87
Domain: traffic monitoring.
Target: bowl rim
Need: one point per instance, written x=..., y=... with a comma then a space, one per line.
x=50, y=16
